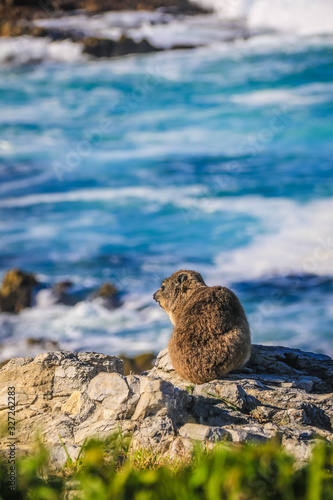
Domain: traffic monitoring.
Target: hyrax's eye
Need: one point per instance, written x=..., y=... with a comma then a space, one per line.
x=163, y=288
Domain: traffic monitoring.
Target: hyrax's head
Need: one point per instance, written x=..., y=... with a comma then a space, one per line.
x=175, y=290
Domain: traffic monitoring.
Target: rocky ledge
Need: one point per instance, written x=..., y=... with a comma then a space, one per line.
x=21, y=10
x=20, y=17
x=281, y=392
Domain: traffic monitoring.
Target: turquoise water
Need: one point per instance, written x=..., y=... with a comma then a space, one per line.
x=217, y=159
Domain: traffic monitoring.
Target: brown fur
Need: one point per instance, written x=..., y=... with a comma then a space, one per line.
x=211, y=335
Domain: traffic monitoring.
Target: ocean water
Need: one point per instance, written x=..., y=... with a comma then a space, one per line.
x=217, y=159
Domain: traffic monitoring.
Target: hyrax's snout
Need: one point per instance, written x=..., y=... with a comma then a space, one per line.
x=156, y=296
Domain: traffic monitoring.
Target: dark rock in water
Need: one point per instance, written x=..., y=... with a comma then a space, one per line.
x=65, y=292
x=109, y=295
x=107, y=290
x=98, y=47
x=61, y=292
x=138, y=364
x=126, y=45
x=16, y=291
x=177, y=6
x=15, y=14
x=62, y=287
x=42, y=343
x=104, y=47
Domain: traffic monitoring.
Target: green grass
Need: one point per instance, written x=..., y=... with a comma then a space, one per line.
x=108, y=470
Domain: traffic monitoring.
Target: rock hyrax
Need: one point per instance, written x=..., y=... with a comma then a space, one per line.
x=211, y=335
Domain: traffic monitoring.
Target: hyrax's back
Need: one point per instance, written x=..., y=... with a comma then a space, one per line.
x=211, y=335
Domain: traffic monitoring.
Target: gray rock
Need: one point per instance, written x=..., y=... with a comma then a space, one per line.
x=163, y=362
x=285, y=361
x=59, y=456
x=180, y=448
x=204, y=433
x=282, y=393
x=104, y=47
x=249, y=433
x=108, y=388
x=155, y=433
x=231, y=394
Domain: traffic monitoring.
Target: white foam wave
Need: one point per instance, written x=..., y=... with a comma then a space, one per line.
x=295, y=238
x=164, y=195
x=298, y=239
x=90, y=326
x=191, y=31
x=298, y=17
x=226, y=9
x=295, y=16
x=161, y=29
x=294, y=324
x=24, y=183
x=26, y=49
x=295, y=97
x=109, y=24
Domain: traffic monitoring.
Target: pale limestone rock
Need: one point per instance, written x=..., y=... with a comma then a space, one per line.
x=163, y=361
x=133, y=383
x=100, y=428
x=156, y=398
x=282, y=393
x=253, y=433
x=181, y=448
x=150, y=404
x=110, y=388
x=59, y=455
x=204, y=433
x=73, y=404
x=44, y=388
x=301, y=450
x=154, y=433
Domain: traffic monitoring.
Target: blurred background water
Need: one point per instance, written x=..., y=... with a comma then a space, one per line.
x=217, y=159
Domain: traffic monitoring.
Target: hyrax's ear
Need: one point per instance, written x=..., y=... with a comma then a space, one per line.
x=181, y=278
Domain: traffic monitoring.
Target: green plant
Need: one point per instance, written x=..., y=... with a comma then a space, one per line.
x=107, y=469
x=189, y=389
x=73, y=465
